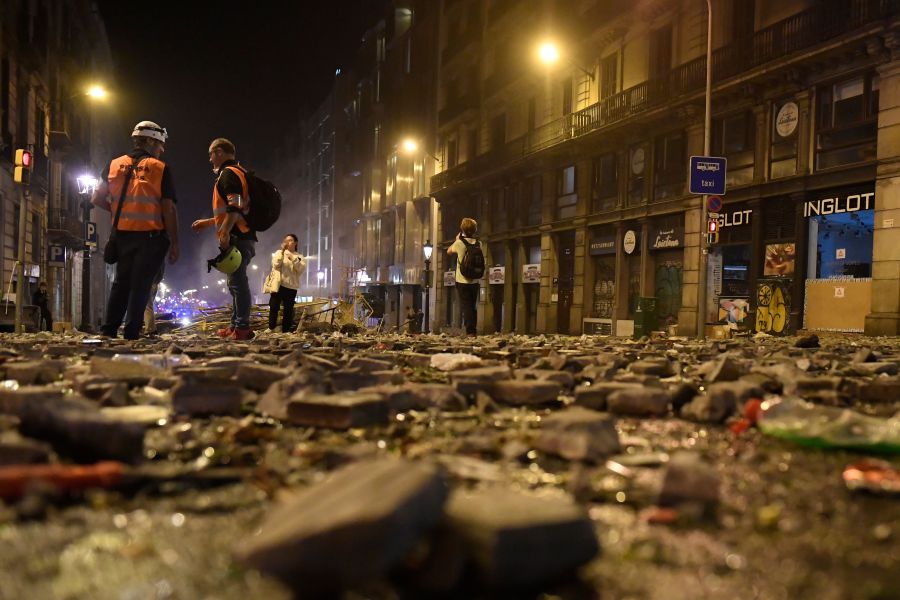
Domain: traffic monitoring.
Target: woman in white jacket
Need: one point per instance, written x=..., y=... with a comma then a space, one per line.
x=290, y=265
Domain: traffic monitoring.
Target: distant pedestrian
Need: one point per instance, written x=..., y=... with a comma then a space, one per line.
x=150, y=311
x=137, y=189
x=41, y=299
x=287, y=268
x=469, y=269
x=230, y=206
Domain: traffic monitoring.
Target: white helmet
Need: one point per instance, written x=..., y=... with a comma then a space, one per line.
x=151, y=130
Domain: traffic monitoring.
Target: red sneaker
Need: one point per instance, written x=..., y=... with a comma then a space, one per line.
x=227, y=332
x=242, y=334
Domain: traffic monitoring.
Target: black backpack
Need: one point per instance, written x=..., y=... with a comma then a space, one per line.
x=472, y=262
x=265, y=202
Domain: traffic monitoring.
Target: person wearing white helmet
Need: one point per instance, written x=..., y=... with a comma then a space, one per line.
x=138, y=191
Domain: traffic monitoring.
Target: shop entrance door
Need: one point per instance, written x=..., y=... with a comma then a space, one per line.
x=566, y=281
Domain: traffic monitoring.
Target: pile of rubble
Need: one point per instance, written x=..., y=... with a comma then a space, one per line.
x=433, y=465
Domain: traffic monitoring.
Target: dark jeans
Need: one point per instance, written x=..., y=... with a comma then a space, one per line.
x=46, y=319
x=468, y=297
x=140, y=255
x=239, y=287
x=283, y=297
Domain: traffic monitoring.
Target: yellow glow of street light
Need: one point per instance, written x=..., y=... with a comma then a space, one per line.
x=548, y=52
x=410, y=145
x=97, y=92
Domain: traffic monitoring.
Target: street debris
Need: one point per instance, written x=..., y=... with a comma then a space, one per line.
x=376, y=465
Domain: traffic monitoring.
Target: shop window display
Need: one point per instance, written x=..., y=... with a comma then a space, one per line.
x=843, y=244
x=604, y=287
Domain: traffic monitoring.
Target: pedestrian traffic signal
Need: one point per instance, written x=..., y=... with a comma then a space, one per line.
x=713, y=226
x=22, y=173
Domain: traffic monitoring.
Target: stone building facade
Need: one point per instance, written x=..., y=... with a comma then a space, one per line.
x=577, y=173
x=49, y=53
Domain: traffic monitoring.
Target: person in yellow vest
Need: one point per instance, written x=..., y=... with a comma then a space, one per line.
x=230, y=205
x=138, y=190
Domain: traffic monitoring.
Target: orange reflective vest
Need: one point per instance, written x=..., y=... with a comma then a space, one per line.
x=142, y=203
x=220, y=204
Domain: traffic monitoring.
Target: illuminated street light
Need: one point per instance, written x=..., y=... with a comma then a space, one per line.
x=255, y=267
x=87, y=184
x=96, y=91
x=410, y=145
x=548, y=53
x=320, y=276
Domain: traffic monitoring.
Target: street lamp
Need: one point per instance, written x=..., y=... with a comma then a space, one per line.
x=427, y=250
x=97, y=92
x=549, y=53
x=320, y=276
x=410, y=146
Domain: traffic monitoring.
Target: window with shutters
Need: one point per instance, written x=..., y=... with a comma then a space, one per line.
x=566, y=198
x=669, y=166
x=733, y=137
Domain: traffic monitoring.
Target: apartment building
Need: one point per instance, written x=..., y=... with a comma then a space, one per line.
x=577, y=171
x=50, y=52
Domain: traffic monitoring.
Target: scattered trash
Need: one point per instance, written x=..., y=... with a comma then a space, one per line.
x=870, y=475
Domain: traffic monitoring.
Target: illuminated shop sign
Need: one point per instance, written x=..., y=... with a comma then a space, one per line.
x=735, y=218
x=839, y=204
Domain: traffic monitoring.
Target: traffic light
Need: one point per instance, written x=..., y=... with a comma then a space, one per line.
x=22, y=173
x=712, y=230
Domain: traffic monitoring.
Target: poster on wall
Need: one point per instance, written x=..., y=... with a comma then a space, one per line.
x=779, y=260
x=449, y=278
x=713, y=284
x=733, y=310
x=497, y=275
x=773, y=306
x=531, y=273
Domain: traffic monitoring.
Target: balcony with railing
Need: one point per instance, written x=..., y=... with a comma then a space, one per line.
x=794, y=34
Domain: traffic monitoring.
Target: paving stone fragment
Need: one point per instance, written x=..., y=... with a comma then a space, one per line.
x=420, y=396
x=345, y=380
x=643, y=402
x=660, y=367
x=259, y=377
x=207, y=374
x=688, y=479
x=274, y=401
x=128, y=370
x=880, y=391
x=863, y=355
x=807, y=341
x=353, y=526
x=725, y=369
x=520, y=539
x=578, y=433
x=595, y=396
x=13, y=398
x=876, y=368
x=204, y=399
x=469, y=381
x=79, y=432
x=34, y=371
x=525, y=392
x=564, y=378
x=18, y=450
x=682, y=394
x=367, y=363
x=338, y=411
x=805, y=385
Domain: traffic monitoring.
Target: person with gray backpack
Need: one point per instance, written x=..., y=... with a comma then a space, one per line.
x=470, y=266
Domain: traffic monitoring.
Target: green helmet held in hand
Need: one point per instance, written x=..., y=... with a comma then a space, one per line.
x=227, y=261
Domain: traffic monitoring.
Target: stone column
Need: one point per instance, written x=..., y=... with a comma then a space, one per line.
x=647, y=283
x=762, y=142
x=620, y=310
x=577, y=312
x=884, y=318
x=693, y=229
x=805, y=143
x=522, y=307
x=546, y=312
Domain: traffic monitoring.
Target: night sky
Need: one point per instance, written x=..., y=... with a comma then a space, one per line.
x=247, y=71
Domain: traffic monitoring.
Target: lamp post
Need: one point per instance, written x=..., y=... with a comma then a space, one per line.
x=321, y=277
x=704, y=216
x=427, y=250
x=87, y=184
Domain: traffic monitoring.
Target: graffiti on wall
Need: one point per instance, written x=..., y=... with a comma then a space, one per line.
x=669, y=277
x=605, y=290
x=773, y=306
